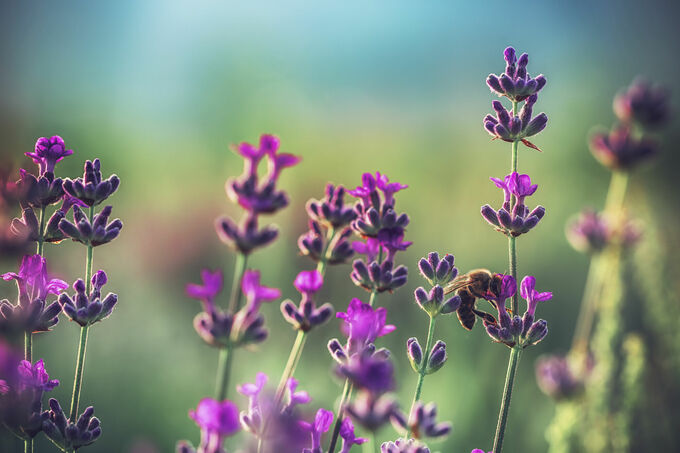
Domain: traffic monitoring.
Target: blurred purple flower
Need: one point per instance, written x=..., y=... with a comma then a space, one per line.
x=308, y=282
x=35, y=376
x=322, y=423
x=589, y=232
x=217, y=420
x=206, y=293
x=618, y=149
x=643, y=103
x=256, y=293
x=349, y=439
x=32, y=279
x=363, y=324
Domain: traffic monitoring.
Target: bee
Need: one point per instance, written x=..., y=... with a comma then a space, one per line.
x=469, y=287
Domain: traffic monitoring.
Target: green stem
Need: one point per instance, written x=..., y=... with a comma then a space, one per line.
x=323, y=262
x=28, y=346
x=291, y=365
x=226, y=355
x=239, y=270
x=223, y=366
x=515, y=353
x=78, y=379
x=346, y=394
x=512, y=256
x=423, y=365
x=616, y=193
x=41, y=232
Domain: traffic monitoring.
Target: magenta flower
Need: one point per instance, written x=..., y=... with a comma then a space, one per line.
x=529, y=293
x=206, y=293
x=388, y=188
x=35, y=376
x=370, y=248
x=278, y=162
x=322, y=423
x=363, y=324
x=268, y=145
x=49, y=151
x=348, y=437
x=520, y=186
x=256, y=293
x=503, y=184
x=478, y=450
x=217, y=420
x=32, y=279
x=393, y=241
x=252, y=391
x=515, y=83
x=294, y=397
x=514, y=217
x=308, y=282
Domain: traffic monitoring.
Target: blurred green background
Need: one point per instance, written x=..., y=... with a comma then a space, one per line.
x=159, y=89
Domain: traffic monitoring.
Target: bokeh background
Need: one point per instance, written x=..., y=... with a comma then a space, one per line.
x=159, y=89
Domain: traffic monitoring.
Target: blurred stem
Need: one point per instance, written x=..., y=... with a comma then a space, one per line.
x=374, y=291
x=41, y=232
x=293, y=360
x=346, y=395
x=616, y=193
x=423, y=366
x=239, y=270
x=323, y=262
x=223, y=366
x=82, y=345
x=515, y=353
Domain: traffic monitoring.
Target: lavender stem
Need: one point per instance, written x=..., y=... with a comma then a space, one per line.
x=291, y=365
x=82, y=345
x=515, y=353
x=226, y=355
x=346, y=395
x=423, y=366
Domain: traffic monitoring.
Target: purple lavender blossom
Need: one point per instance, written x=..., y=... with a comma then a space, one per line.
x=246, y=237
x=515, y=83
x=206, y=293
x=28, y=225
x=87, y=309
x=92, y=189
x=31, y=313
x=331, y=211
x=510, y=128
x=217, y=421
x=348, y=437
x=376, y=213
x=514, y=217
x=559, y=379
x=421, y=422
x=35, y=376
x=295, y=397
x=98, y=232
x=49, y=151
x=67, y=434
x=39, y=192
x=479, y=450
x=589, y=232
x=369, y=373
x=643, y=103
x=307, y=315
x=404, y=446
x=620, y=150
x=254, y=292
x=322, y=423
x=215, y=328
x=363, y=324
x=370, y=411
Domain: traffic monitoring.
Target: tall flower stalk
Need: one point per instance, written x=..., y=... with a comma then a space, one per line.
x=514, y=218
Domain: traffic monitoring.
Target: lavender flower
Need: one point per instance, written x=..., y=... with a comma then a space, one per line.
x=371, y=411
x=643, y=103
x=252, y=418
x=422, y=422
x=559, y=379
x=256, y=293
x=217, y=420
x=322, y=423
x=331, y=211
x=49, y=151
x=363, y=324
x=31, y=313
x=404, y=446
x=314, y=241
x=69, y=435
x=510, y=128
x=87, y=309
x=620, y=150
x=34, y=376
x=369, y=373
x=589, y=232
x=295, y=397
x=348, y=437
x=39, y=192
x=95, y=233
x=376, y=213
x=515, y=83
x=307, y=315
x=215, y=328
x=479, y=450
x=514, y=217
x=248, y=236
x=206, y=293
x=92, y=189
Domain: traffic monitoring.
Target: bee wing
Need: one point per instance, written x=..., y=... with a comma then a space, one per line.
x=459, y=283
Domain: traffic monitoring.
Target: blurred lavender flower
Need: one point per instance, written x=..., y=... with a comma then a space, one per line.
x=514, y=217
x=322, y=423
x=206, y=293
x=558, y=379
x=371, y=373
x=515, y=83
x=217, y=420
x=362, y=325
x=28, y=225
x=348, y=437
x=295, y=397
x=87, y=309
x=589, y=232
x=49, y=151
x=620, y=150
x=69, y=435
x=404, y=446
x=372, y=411
x=255, y=196
x=307, y=315
x=510, y=128
x=92, y=189
x=643, y=103
x=31, y=313
x=95, y=233
x=39, y=192
x=422, y=422
x=256, y=293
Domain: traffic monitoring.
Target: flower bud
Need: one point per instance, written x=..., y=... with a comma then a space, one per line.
x=415, y=353
x=437, y=357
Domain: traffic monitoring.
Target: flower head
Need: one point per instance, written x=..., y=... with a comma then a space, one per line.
x=308, y=282
x=256, y=293
x=510, y=128
x=216, y=418
x=92, y=188
x=212, y=286
x=515, y=83
x=590, y=232
x=49, y=151
x=558, y=378
x=295, y=397
x=35, y=376
x=87, y=309
x=514, y=217
x=322, y=423
x=529, y=293
x=643, y=103
x=32, y=279
x=363, y=324
x=70, y=435
x=618, y=149
x=349, y=439
x=370, y=373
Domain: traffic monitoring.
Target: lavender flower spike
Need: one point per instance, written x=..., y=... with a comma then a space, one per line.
x=322, y=423
x=49, y=151
x=510, y=128
x=256, y=293
x=100, y=231
x=620, y=150
x=404, y=446
x=307, y=316
x=92, y=189
x=515, y=83
x=206, y=293
x=643, y=103
x=87, y=309
x=348, y=437
x=514, y=217
x=217, y=420
x=70, y=435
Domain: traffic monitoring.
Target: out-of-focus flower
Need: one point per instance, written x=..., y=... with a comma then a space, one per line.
x=254, y=292
x=348, y=437
x=589, y=232
x=618, y=149
x=211, y=287
x=422, y=422
x=404, y=446
x=322, y=423
x=49, y=151
x=514, y=217
x=643, y=103
x=39, y=192
x=67, y=434
x=217, y=420
x=307, y=315
x=370, y=373
x=515, y=83
x=372, y=413
x=557, y=378
x=363, y=324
